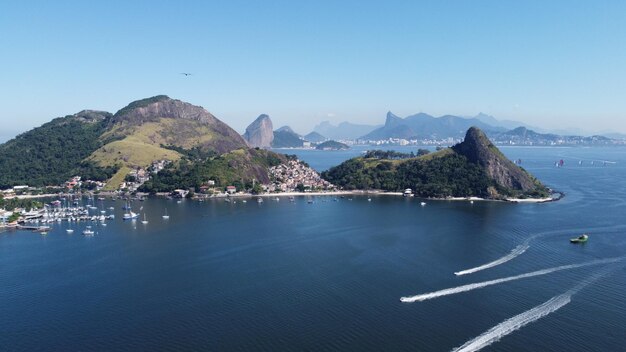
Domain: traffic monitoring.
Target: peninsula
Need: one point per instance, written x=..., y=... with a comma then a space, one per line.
x=472, y=168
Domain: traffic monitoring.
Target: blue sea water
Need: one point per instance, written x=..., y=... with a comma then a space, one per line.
x=328, y=276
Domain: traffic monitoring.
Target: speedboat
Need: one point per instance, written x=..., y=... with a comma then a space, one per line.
x=580, y=239
x=88, y=231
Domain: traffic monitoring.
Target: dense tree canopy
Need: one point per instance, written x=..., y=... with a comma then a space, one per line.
x=50, y=154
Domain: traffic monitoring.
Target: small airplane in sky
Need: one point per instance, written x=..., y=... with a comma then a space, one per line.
x=185, y=73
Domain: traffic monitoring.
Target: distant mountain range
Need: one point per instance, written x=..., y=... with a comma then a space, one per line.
x=424, y=126
x=344, y=130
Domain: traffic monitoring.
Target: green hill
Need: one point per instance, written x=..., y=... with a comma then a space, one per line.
x=53, y=152
x=99, y=145
x=474, y=167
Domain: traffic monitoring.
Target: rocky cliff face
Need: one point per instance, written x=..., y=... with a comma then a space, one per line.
x=479, y=150
x=260, y=133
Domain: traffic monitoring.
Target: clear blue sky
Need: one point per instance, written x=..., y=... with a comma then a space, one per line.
x=547, y=63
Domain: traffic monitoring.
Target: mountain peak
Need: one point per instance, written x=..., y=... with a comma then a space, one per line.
x=260, y=133
x=392, y=119
x=162, y=106
x=478, y=149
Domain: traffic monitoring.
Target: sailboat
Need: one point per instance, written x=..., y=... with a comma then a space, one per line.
x=166, y=216
x=144, y=221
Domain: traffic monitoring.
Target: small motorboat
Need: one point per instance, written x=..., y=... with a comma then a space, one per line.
x=580, y=239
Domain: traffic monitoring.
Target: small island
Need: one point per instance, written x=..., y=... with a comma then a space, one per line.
x=472, y=168
x=332, y=145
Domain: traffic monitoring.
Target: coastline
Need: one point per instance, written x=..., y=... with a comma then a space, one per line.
x=342, y=193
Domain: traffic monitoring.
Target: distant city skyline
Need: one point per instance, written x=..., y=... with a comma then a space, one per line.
x=556, y=65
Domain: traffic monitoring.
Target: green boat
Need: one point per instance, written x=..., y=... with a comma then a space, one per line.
x=580, y=239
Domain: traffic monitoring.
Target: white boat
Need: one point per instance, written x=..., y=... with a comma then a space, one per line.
x=69, y=230
x=423, y=203
x=88, y=231
x=130, y=216
x=166, y=216
x=144, y=221
x=111, y=208
x=259, y=200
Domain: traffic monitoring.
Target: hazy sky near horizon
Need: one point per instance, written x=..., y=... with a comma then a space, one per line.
x=555, y=64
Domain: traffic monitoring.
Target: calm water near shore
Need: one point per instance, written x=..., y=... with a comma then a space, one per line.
x=285, y=276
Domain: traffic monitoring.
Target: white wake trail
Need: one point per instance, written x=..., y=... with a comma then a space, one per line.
x=514, y=253
x=474, y=286
x=519, y=250
x=517, y=322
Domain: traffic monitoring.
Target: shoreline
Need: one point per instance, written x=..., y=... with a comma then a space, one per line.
x=344, y=193
x=383, y=193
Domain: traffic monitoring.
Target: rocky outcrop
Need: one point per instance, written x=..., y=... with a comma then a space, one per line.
x=478, y=149
x=91, y=116
x=219, y=136
x=260, y=133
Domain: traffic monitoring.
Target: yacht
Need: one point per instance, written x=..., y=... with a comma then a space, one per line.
x=166, y=216
x=88, y=231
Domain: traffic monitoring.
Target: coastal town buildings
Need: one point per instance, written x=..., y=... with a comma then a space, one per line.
x=288, y=177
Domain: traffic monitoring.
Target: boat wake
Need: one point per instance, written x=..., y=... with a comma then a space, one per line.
x=514, y=253
x=519, y=250
x=517, y=322
x=474, y=286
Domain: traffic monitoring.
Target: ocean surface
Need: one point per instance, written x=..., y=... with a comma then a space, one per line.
x=329, y=276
